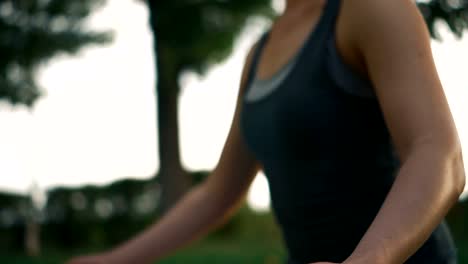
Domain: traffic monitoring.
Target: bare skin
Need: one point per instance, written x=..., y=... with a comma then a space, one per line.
x=394, y=53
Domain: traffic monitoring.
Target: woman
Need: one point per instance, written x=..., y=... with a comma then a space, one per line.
x=341, y=105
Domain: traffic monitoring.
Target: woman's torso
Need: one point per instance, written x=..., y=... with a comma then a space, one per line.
x=316, y=127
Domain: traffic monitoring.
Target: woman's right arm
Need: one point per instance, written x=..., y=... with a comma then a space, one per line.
x=201, y=209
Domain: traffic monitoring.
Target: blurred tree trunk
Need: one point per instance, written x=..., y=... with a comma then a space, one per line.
x=32, y=214
x=32, y=238
x=175, y=181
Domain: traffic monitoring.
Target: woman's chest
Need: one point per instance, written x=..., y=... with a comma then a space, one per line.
x=305, y=116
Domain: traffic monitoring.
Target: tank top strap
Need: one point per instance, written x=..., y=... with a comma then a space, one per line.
x=256, y=57
x=324, y=30
x=328, y=20
x=331, y=13
x=316, y=42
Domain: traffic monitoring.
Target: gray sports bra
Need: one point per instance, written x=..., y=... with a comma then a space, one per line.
x=340, y=71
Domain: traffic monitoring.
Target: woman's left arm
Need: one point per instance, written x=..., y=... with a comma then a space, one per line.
x=394, y=44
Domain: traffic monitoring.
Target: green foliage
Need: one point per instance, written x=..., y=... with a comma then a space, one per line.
x=453, y=12
x=196, y=34
x=458, y=219
x=199, y=176
x=95, y=216
x=255, y=240
x=34, y=31
x=248, y=238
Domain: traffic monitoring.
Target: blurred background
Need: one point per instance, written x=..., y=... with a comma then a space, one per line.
x=112, y=110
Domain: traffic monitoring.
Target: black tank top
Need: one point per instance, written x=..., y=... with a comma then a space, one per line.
x=326, y=152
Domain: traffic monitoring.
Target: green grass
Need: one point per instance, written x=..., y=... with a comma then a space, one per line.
x=206, y=252
x=228, y=252
x=210, y=251
x=250, y=239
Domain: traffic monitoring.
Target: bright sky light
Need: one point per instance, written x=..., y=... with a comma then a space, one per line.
x=97, y=124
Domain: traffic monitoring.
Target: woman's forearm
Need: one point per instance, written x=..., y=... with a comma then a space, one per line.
x=428, y=184
x=196, y=214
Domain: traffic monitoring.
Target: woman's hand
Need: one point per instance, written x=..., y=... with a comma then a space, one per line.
x=324, y=263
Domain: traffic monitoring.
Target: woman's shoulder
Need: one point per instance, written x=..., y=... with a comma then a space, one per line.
x=366, y=17
x=358, y=20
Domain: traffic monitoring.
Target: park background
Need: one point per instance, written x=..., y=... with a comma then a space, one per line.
x=81, y=116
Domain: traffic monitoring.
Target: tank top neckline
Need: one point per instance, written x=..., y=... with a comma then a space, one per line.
x=310, y=36
x=314, y=43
